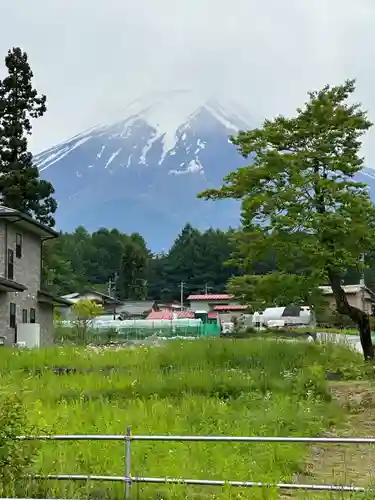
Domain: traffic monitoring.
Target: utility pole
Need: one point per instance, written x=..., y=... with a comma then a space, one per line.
x=109, y=287
x=362, y=282
x=182, y=294
x=362, y=279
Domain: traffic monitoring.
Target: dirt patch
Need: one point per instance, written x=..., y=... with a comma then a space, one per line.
x=344, y=464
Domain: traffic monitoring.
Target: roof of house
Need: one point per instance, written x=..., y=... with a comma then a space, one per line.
x=169, y=305
x=212, y=315
x=271, y=313
x=30, y=223
x=11, y=285
x=211, y=296
x=349, y=289
x=135, y=306
x=44, y=296
x=169, y=315
x=76, y=296
x=233, y=307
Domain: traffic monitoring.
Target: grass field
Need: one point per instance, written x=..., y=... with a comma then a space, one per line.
x=217, y=387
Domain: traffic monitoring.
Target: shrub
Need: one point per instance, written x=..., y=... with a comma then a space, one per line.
x=16, y=456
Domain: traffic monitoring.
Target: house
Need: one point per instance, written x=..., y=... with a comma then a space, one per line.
x=109, y=304
x=170, y=306
x=284, y=316
x=136, y=309
x=26, y=309
x=221, y=305
x=207, y=302
x=170, y=315
x=359, y=296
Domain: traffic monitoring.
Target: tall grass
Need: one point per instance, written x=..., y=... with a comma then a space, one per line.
x=205, y=387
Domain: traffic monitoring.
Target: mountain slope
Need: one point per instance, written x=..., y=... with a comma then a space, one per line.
x=142, y=172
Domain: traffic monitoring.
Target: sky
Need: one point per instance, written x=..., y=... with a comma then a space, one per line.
x=91, y=57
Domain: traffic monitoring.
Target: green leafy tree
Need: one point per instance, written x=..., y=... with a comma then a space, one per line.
x=58, y=275
x=131, y=283
x=276, y=289
x=85, y=311
x=20, y=185
x=300, y=199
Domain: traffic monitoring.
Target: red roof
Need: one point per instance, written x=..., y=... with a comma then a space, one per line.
x=211, y=296
x=212, y=315
x=233, y=307
x=169, y=315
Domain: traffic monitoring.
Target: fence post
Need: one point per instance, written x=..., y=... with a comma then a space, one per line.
x=127, y=464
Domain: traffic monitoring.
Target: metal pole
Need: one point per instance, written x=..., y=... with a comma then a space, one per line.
x=203, y=439
x=182, y=294
x=127, y=464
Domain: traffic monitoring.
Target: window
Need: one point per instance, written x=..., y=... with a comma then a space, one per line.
x=10, y=264
x=32, y=315
x=12, y=315
x=18, y=245
x=24, y=315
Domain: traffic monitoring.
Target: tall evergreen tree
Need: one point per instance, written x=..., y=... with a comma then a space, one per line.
x=131, y=283
x=20, y=185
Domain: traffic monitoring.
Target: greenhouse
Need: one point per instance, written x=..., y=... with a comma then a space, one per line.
x=138, y=329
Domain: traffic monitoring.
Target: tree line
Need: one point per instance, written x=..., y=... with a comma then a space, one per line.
x=112, y=262
x=109, y=261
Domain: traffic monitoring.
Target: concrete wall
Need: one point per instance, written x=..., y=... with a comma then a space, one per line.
x=361, y=300
x=45, y=319
x=27, y=271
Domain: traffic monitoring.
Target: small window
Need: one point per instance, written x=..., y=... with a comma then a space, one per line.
x=10, y=264
x=32, y=315
x=18, y=245
x=24, y=315
x=12, y=315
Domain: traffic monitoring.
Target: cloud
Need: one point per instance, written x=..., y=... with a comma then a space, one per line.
x=91, y=56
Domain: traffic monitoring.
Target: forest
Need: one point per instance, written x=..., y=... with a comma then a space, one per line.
x=108, y=257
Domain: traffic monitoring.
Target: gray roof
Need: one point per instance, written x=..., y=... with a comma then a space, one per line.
x=348, y=289
x=33, y=225
x=108, y=298
x=135, y=307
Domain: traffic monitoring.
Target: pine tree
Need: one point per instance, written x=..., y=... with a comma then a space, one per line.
x=131, y=280
x=20, y=185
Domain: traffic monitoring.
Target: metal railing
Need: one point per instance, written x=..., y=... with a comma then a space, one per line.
x=128, y=479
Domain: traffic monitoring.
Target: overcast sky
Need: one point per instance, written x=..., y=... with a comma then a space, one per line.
x=92, y=56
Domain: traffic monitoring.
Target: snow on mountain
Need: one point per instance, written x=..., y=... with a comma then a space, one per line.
x=142, y=169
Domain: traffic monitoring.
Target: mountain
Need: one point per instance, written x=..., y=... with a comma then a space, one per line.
x=141, y=171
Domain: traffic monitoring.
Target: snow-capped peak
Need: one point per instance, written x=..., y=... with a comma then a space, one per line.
x=167, y=114
x=165, y=119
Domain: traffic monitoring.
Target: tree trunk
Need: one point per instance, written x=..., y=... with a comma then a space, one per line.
x=359, y=317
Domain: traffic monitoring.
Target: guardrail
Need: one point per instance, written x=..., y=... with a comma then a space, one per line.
x=128, y=479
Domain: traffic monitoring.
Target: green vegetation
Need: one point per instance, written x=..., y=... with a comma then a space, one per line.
x=202, y=387
x=132, y=275
x=85, y=311
x=80, y=260
x=299, y=198
x=20, y=185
